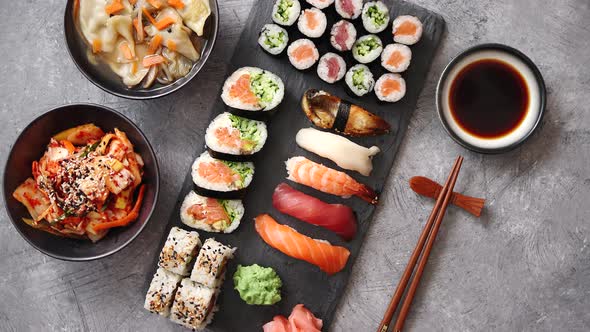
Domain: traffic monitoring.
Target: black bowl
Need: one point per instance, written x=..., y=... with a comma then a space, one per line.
x=103, y=77
x=30, y=146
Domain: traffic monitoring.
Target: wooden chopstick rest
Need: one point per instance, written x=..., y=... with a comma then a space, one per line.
x=430, y=188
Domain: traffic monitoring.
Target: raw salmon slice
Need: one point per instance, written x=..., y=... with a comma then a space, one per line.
x=312, y=21
x=395, y=59
x=212, y=211
x=241, y=90
x=217, y=172
x=302, y=52
x=406, y=28
x=390, y=86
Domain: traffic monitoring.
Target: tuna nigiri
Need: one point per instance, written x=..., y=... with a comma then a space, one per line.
x=322, y=178
x=336, y=217
x=328, y=258
x=300, y=320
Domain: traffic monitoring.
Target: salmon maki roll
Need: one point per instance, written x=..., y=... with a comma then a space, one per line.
x=303, y=54
x=396, y=58
x=390, y=88
x=285, y=12
x=320, y=4
x=253, y=89
x=233, y=137
x=220, y=178
x=407, y=30
x=312, y=22
x=343, y=35
x=211, y=214
x=325, y=179
x=329, y=258
x=349, y=9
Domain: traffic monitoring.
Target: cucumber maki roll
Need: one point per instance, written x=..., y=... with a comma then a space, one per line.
x=367, y=48
x=235, y=138
x=220, y=178
x=286, y=12
x=211, y=214
x=375, y=16
x=273, y=39
x=359, y=80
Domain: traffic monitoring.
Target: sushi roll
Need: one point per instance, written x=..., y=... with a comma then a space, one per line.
x=285, y=12
x=331, y=67
x=359, y=80
x=273, y=39
x=390, y=88
x=161, y=292
x=211, y=263
x=375, y=16
x=320, y=4
x=210, y=214
x=396, y=58
x=252, y=89
x=343, y=35
x=220, y=178
x=235, y=138
x=303, y=53
x=312, y=22
x=367, y=48
x=407, y=30
x=349, y=9
x=194, y=305
x=179, y=250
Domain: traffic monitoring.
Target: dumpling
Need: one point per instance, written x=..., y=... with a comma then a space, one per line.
x=132, y=72
x=195, y=14
x=177, y=66
x=179, y=37
x=101, y=30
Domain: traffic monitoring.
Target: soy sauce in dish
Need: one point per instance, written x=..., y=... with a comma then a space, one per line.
x=489, y=98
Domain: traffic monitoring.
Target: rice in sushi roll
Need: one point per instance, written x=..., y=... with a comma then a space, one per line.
x=303, y=53
x=396, y=58
x=285, y=12
x=179, y=250
x=367, y=48
x=320, y=4
x=233, y=137
x=375, y=16
x=220, y=178
x=161, y=292
x=312, y=22
x=273, y=39
x=252, y=89
x=359, y=80
x=407, y=30
x=343, y=35
x=194, y=305
x=211, y=214
x=390, y=88
x=210, y=265
x=349, y=9
x=331, y=67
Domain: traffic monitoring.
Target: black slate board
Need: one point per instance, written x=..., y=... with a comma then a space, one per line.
x=303, y=282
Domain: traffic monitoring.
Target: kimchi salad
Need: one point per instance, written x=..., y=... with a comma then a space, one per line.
x=84, y=184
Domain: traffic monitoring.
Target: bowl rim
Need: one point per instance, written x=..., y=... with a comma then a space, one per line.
x=504, y=48
x=189, y=76
x=121, y=245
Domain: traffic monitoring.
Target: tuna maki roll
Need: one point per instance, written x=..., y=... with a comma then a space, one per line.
x=252, y=89
x=273, y=39
x=390, y=88
x=343, y=35
x=320, y=4
x=285, y=12
x=331, y=67
x=312, y=22
x=375, y=16
x=233, y=137
x=220, y=178
x=359, y=80
x=349, y=9
x=211, y=214
x=367, y=48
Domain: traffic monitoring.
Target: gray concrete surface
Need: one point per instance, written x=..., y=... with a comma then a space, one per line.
x=524, y=266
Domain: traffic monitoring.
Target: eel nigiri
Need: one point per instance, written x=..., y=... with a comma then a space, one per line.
x=330, y=112
x=301, y=319
x=328, y=258
x=338, y=218
x=340, y=150
x=322, y=178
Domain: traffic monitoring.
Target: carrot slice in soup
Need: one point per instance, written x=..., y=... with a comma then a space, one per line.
x=96, y=46
x=126, y=50
x=152, y=60
x=114, y=7
x=171, y=45
x=178, y=4
x=164, y=22
x=155, y=44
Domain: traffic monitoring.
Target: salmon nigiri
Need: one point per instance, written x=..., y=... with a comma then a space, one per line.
x=322, y=178
x=328, y=258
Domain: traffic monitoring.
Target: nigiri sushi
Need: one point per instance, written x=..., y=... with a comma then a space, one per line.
x=330, y=112
x=301, y=319
x=338, y=218
x=322, y=178
x=344, y=152
x=328, y=258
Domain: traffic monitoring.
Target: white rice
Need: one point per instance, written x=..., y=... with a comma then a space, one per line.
x=191, y=305
x=373, y=11
x=407, y=39
x=223, y=120
x=269, y=78
x=365, y=80
x=351, y=35
x=320, y=4
x=323, y=68
x=367, y=48
x=292, y=9
x=273, y=39
x=210, y=264
x=303, y=23
x=161, y=292
x=307, y=62
x=179, y=250
x=235, y=208
x=403, y=50
x=357, y=8
x=221, y=187
x=393, y=96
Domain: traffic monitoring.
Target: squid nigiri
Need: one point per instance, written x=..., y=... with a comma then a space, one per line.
x=322, y=178
x=336, y=217
x=328, y=258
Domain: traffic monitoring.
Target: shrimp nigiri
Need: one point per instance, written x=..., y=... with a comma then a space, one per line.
x=322, y=178
x=328, y=258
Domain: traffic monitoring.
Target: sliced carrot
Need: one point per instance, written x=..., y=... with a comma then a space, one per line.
x=134, y=68
x=96, y=46
x=152, y=60
x=148, y=15
x=133, y=214
x=171, y=45
x=114, y=7
x=155, y=44
x=178, y=4
x=69, y=146
x=155, y=3
x=133, y=2
x=126, y=50
x=165, y=22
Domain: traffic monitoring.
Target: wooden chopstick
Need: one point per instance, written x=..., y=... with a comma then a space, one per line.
x=435, y=218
